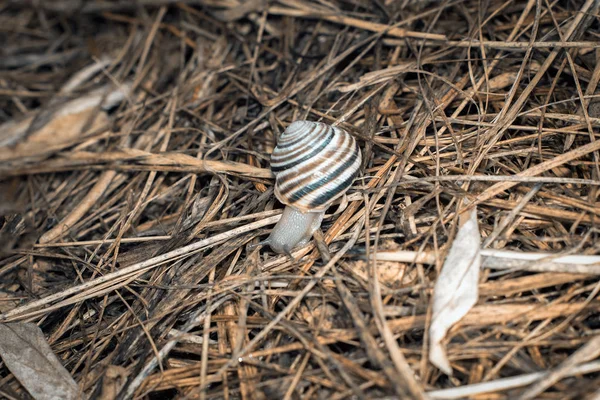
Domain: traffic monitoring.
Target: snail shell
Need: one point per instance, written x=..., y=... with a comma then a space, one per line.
x=314, y=164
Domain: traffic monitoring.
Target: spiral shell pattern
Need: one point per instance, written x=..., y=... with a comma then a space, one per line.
x=314, y=164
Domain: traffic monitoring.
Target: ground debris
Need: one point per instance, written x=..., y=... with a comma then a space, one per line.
x=135, y=187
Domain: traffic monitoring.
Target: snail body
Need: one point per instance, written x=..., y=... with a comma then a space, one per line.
x=314, y=164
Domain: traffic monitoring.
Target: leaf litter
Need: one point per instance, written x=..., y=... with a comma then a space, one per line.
x=134, y=182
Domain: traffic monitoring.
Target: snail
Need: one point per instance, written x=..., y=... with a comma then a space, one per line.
x=313, y=164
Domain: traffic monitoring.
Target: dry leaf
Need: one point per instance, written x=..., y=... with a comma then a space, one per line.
x=59, y=126
x=24, y=350
x=392, y=274
x=112, y=382
x=456, y=290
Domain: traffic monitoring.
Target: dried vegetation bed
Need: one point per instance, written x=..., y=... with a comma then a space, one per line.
x=134, y=164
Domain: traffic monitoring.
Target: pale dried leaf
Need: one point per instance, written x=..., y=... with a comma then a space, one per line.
x=55, y=128
x=456, y=290
x=28, y=356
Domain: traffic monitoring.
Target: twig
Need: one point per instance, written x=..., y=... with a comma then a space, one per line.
x=506, y=383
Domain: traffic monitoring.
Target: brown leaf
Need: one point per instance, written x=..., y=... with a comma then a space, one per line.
x=28, y=356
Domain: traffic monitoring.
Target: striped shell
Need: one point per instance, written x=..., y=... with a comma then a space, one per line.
x=314, y=164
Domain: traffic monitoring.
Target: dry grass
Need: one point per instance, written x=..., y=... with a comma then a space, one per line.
x=126, y=232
